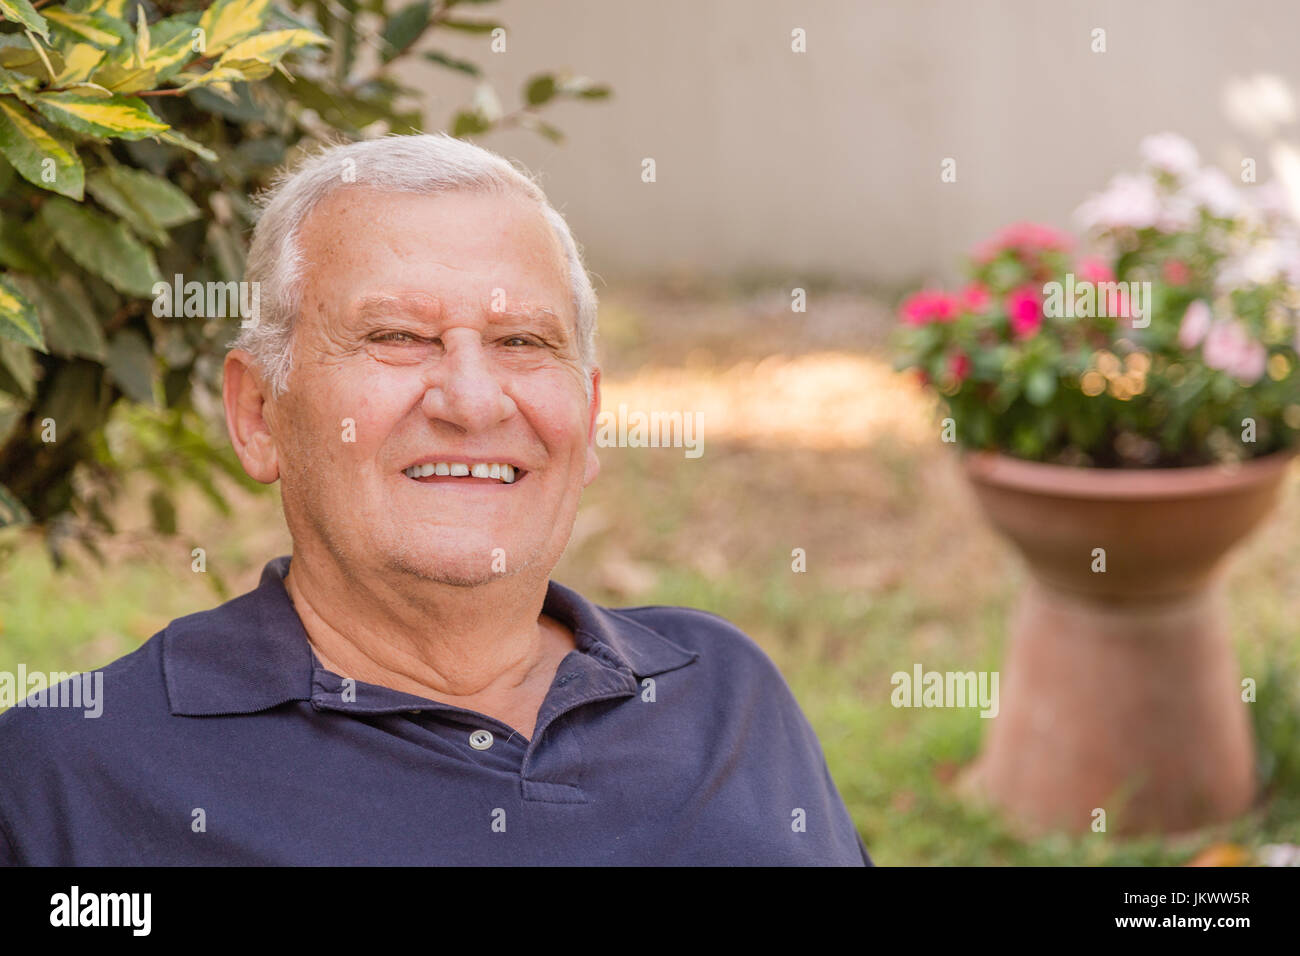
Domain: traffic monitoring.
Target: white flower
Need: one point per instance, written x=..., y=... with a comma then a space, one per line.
x=1211, y=189
x=1178, y=213
x=1259, y=103
x=1129, y=201
x=1289, y=259
x=1169, y=153
x=1278, y=210
x=1272, y=200
x=1280, y=854
x=1263, y=262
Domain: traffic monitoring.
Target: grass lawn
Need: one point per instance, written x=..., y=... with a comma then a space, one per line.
x=811, y=442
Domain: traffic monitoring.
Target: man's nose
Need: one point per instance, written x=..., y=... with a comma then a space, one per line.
x=461, y=385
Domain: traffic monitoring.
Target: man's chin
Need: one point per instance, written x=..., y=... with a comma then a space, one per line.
x=451, y=571
x=461, y=580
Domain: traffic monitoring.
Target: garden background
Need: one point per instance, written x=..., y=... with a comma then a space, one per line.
x=778, y=170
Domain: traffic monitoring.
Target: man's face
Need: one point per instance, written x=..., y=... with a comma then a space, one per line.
x=435, y=329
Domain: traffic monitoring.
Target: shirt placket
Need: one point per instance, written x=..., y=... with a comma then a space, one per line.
x=552, y=767
x=551, y=764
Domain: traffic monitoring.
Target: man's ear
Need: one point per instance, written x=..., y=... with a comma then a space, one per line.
x=593, y=463
x=245, y=398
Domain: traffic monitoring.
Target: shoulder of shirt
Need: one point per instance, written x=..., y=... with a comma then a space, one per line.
x=51, y=724
x=142, y=664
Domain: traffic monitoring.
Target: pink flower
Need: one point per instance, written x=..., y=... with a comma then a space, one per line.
x=1251, y=363
x=1222, y=342
x=959, y=366
x=1175, y=272
x=1093, y=269
x=1024, y=311
x=928, y=305
x=1196, y=323
x=1229, y=348
x=975, y=298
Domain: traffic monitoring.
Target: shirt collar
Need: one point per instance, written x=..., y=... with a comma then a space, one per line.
x=252, y=653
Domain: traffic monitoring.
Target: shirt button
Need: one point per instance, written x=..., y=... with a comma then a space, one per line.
x=480, y=739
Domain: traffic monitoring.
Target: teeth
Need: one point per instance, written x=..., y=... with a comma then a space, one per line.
x=503, y=473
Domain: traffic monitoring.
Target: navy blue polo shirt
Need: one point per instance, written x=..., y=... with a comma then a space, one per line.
x=667, y=737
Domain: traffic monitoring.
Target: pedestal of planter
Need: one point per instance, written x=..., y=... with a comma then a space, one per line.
x=1120, y=690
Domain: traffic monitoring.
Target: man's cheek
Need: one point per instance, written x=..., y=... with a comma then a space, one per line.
x=324, y=446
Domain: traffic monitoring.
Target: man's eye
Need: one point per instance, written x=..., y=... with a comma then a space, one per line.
x=519, y=340
x=396, y=337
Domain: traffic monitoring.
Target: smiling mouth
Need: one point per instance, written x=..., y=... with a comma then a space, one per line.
x=454, y=471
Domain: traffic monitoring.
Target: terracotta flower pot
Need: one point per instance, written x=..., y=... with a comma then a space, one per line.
x=1120, y=690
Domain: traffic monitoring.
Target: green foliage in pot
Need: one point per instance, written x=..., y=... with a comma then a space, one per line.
x=1174, y=343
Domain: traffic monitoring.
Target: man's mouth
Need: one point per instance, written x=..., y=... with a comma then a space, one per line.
x=465, y=471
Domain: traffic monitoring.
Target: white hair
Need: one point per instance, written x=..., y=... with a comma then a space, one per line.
x=426, y=163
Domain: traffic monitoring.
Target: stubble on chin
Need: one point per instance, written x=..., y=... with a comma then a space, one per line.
x=426, y=570
x=419, y=562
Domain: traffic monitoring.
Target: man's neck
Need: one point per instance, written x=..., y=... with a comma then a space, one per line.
x=476, y=647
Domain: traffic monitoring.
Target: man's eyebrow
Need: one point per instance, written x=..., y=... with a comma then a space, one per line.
x=526, y=312
x=381, y=304
x=539, y=314
x=541, y=321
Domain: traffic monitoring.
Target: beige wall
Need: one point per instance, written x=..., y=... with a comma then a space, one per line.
x=828, y=161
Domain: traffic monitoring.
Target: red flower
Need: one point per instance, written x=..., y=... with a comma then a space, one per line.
x=959, y=366
x=1024, y=311
x=928, y=305
x=1176, y=272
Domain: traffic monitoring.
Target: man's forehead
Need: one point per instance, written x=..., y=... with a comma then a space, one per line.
x=359, y=256
x=373, y=212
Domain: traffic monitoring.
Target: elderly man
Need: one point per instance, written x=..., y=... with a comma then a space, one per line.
x=410, y=687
